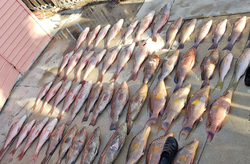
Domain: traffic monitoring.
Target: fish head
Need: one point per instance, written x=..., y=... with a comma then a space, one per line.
x=187, y=88
x=75, y=128
x=192, y=51
x=120, y=22
x=124, y=85
x=45, y=120
x=144, y=90
x=192, y=146
x=98, y=131
x=228, y=95
x=146, y=130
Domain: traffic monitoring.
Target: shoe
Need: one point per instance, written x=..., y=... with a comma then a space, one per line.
x=247, y=77
x=169, y=151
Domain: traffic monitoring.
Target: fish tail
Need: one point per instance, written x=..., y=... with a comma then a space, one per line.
x=232, y=85
x=87, y=48
x=76, y=78
x=41, y=110
x=129, y=126
x=44, y=160
x=115, y=76
x=85, y=117
x=219, y=84
x=195, y=45
x=13, y=152
x=58, y=74
x=160, y=76
x=205, y=82
x=229, y=46
x=248, y=45
x=34, y=107
x=70, y=120
x=93, y=120
x=51, y=111
x=136, y=43
x=59, y=117
x=106, y=47
x=83, y=82
x=123, y=41
x=100, y=78
x=214, y=45
x=154, y=38
x=152, y=120
x=185, y=131
x=2, y=151
x=20, y=156
x=158, y=129
x=210, y=136
x=165, y=126
x=114, y=125
x=178, y=85
x=34, y=158
x=93, y=49
x=64, y=78
x=181, y=46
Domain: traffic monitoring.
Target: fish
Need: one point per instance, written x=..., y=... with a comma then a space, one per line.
x=51, y=93
x=187, y=153
x=176, y=103
x=172, y=32
x=135, y=104
x=225, y=65
x=218, y=33
x=92, y=98
x=150, y=67
x=63, y=91
x=100, y=36
x=155, y=149
x=187, y=30
x=217, y=113
x=66, y=143
x=34, y=133
x=144, y=24
x=203, y=32
x=82, y=37
x=168, y=64
x=92, y=147
x=93, y=62
x=238, y=27
x=240, y=69
x=55, y=138
x=64, y=62
x=185, y=65
x=138, y=145
x=102, y=102
x=114, y=145
x=77, y=146
x=195, y=108
x=44, y=136
x=72, y=63
x=113, y=32
x=14, y=130
x=119, y=101
x=69, y=100
x=129, y=31
x=208, y=65
x=92, y=36
x=23, y=134
x=157, y=101
x=123, y=58
x=108, y=61
x=160, y=21
x=83, y=62
x=42, y=93
x=79, y=100
x=140, y=55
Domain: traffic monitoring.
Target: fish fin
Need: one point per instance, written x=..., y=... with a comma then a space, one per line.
x=154, y=38
x=205, y=82
x=44, y=160
x=185, y=131
x=219, y=128
x=93, y=49
x=178, y=86
x=213, y=38
x=59, y=117
x=58, y=74
x=210, y=136
x=165, y=126
x=133, y=76
x=152, y=120
x=51, y=111
x=2, y=151
x=136, y=43
x=219, y=84
x=175, y=79
x=214, y=45
x=232, y=85
x=13, y=152
x=85, y=117
x=229, y=47
x=64, y=78
x=181, y=46
x=162, y=112
x=20, y=156
x=115, y=76
x=34, y=158
x=100, y=78
x=229, y=38
x=93, y=120
x=248, y=46
x=76, y=78
x=114, y=125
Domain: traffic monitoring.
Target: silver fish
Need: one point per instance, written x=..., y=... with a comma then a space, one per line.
x=129, y=31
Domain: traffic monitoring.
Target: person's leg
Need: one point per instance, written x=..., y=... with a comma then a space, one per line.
x=169, y=151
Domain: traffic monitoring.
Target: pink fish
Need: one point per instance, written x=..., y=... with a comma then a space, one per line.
x=160, y=21
x=35, y=131
x=92, y=36
x=145, y=23
x=102, y=102
x=101, y=35
x=108, y=61
x=23, y=134
x=14, y=130
x=79, y=101
x=83, y=62
x=64, y=62
x=69, y=99
x=42, y=93
x=140, y=56
x=123, y=59
x=45, y=134
x=81, y=38
x=52, y=92
x=93, y=96
x=93, y=62
x=63, y=91
x=113, y=32
x=129, y=31
x=72, y=63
